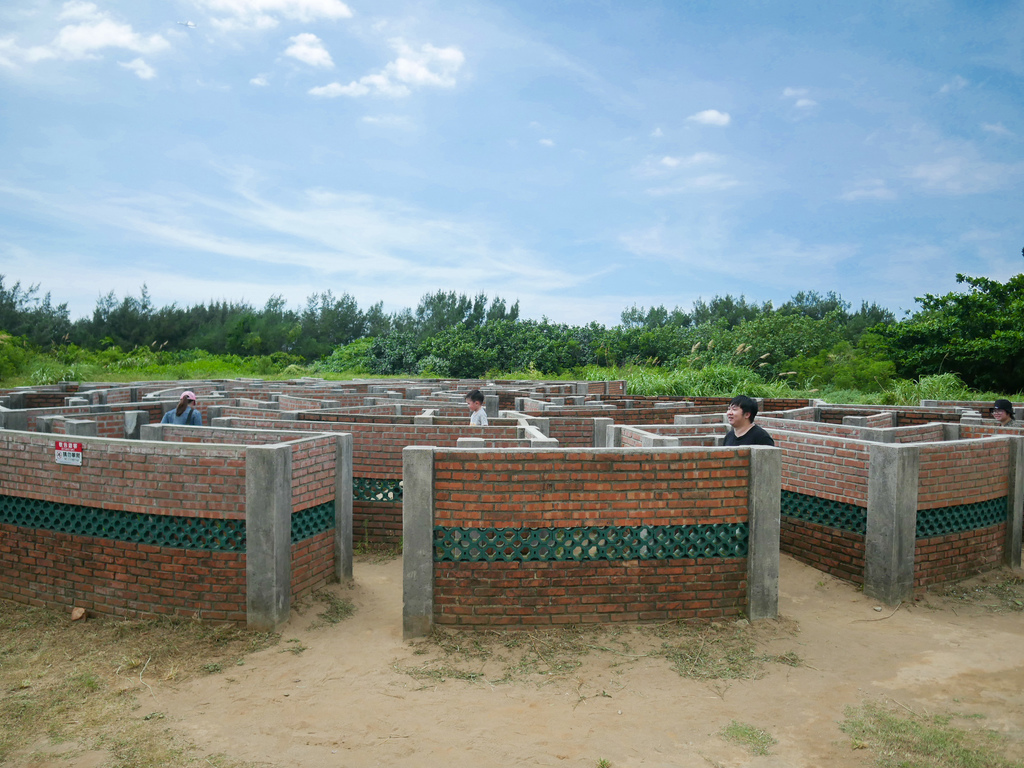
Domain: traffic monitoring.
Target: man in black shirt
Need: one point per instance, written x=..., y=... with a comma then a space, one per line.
x=740, y=415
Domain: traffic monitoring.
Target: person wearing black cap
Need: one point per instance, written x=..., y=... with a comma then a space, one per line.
x=1002, y=411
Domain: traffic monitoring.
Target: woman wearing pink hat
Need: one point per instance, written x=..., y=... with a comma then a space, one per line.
x=185, y=413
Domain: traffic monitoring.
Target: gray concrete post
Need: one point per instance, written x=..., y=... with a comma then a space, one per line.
x=151, y=432
x=892, y=522
x=601, y=432
x=418, y=541
x=268, y=534
x=18, y=399
x=491, y=406
x=133, y=421
x=343, y=508
x=45, y=423
x=1015, y=503
x=764, y=500
x=81, y=427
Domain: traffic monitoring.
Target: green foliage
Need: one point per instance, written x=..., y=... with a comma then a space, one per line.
x=757, y=741
x=977, y=334
x=13, y=355
x=944, y=386
x=711, y=380
x=350, y=358
x=844, y=366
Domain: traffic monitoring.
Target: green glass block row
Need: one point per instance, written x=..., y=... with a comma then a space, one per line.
x=832, y=514
x=960, y=518
x=156, y=530
x=310, y=522
x=648, y=542
x=376, y=489
x=136, y=527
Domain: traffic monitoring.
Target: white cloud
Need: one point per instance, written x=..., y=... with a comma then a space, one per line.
x=800, y=96
x=997, y=128
x=709, y=182
x=805, y=103
x=428, y=66
x=309, y=49
x=259, y=80
x=794, y=93
x=710, y=117
x=140, y=68
x=697, y=158
x=265, y=14
x=93, y=30
x=870, y=189
x=657, y=133
x=960, y=175
x=547, y=142
x=956, y=84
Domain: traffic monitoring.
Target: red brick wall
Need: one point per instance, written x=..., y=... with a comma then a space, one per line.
x=962, y=473
x=312, y=564
x=548, y=489
x=824, y=467
x=839, y=553
x=314, y=464
x=956, y=555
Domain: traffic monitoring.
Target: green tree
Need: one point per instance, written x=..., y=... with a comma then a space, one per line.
x=977, y=334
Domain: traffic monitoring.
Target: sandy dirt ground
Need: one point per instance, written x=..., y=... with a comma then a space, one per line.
x=345, y=702
x=341, y=697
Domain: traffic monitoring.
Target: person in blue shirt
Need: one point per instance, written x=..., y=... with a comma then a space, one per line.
x=185, y=413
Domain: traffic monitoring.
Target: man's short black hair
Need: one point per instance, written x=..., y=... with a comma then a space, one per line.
x=476, y=396
x=747, y=404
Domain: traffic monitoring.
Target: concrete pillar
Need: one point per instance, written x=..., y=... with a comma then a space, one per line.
x=601, y=432
x=613, y=436
x=881, y=435
x=658, y=441
x=418, y=541
x=133, y=421
x=469, y=442
x=81, y=427
x=18, y=399
x=543, y=442
x=76, y=402
x=491, y=406
x=892, y=522
x=1015, y=503
x=343, y=508
x=427, y=417
x=764, y=500
x=268, y=535
x=45, y=423
x=151, y=432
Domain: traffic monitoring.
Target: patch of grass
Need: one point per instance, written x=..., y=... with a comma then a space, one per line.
x=754, y=739
x=701, y=652
x=337, y=609
x=998, y=591
x=78, y=682
x=902, y=739
x=294, y=646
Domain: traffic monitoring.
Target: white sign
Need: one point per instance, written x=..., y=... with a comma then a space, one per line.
x=68, y=453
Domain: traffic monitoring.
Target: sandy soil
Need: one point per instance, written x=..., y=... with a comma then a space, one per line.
x=343, y=698
x=344, y=701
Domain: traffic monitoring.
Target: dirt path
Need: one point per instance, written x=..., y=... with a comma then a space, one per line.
x=343, y=701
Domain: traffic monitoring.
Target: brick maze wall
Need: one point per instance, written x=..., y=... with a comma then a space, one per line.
x=541, y=489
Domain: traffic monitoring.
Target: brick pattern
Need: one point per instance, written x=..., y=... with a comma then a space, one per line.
x=573, y=431
x=109, y=578
x=312, y=564
x=314, y=463
x=949, y=558
x=964, y=472
x=376, y=522
x=836, y=552
x=135, y=477
x=560, y=593
x=549, y=489
x=823, y=466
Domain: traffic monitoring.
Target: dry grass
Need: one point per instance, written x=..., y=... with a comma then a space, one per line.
x=86, y=684
x=706, y=651
x=999, y=591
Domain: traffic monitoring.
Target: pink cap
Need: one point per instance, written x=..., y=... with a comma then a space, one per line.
x=189, y=394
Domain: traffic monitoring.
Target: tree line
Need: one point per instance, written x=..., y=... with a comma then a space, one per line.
x=813, y=339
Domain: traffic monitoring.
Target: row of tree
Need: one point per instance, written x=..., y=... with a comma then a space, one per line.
x=815, y=339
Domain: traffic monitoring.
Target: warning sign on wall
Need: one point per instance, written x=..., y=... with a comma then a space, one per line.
x=68, y=453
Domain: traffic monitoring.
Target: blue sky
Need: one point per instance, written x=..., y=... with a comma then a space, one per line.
x=579, y=157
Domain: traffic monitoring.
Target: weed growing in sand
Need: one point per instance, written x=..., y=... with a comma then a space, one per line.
x=903, y=738
x=602, y=763
x=700, y=652
x=337, y=609
x=754, y=739
x=78, y=683
x=999, y=592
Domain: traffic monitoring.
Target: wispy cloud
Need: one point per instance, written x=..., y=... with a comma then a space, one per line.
x=710, y=117
x=90, y=32
x=963, y=175
x=956, y=84
x=869, y=189
x=265, y=14
x=309, y=49
x=427, y=67
x=140, y=68
x=709, y=182
x=260, y=81
x=997, y=128
x=546, y=142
